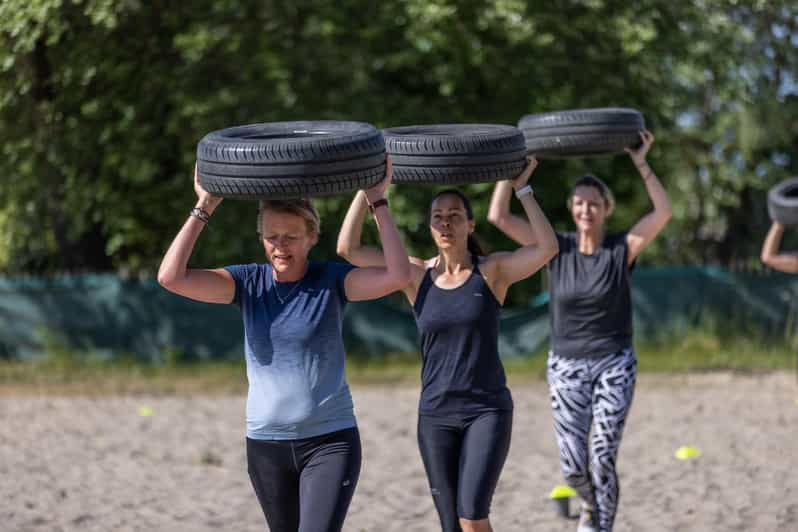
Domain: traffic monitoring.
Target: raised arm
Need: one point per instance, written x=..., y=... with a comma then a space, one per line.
x=499, y=214
x=649, y=226
x=349, y=244
x=374, y=281
x=210, y=286
x=510, y=267
x=785, y=262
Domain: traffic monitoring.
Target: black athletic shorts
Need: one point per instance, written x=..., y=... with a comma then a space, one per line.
x=305, y=485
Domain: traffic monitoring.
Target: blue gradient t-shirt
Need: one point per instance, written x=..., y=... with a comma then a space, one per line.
x=294, y=350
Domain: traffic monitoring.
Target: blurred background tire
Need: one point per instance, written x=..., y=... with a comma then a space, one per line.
x=783, y=202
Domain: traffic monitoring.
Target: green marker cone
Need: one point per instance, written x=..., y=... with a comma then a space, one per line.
x=145, y=411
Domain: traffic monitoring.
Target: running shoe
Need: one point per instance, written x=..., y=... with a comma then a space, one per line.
x=587, y=520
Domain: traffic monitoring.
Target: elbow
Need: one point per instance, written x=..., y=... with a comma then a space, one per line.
x=552, y=249
x=165, y=279
x=401, y=277
x=667, y=213
x=404, y=277
x=765, y=258
x=343, y=250
x=664, y=211
x=495, y=218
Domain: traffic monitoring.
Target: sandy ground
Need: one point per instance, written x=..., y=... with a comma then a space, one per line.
x=97, y=465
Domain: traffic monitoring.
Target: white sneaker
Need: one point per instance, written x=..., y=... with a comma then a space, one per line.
x=587, y=520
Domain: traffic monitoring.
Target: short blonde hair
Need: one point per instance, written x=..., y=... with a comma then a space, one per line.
x=302, y=207
x=589, y=180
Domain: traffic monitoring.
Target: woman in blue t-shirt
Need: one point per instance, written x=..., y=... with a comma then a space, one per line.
x=465, y=410
x=592, y=365
x=303, y=447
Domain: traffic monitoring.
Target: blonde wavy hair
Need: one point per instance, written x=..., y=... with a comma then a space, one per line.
x=589, y=180
x=302, y=207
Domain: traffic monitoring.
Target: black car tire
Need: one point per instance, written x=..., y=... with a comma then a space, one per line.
x=282, y=160
x=581, y=132
x=449, y=154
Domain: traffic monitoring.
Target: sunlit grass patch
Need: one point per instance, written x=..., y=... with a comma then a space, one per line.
x=74, y=373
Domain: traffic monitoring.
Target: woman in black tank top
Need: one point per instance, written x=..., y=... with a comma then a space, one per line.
x=465, y=410
x=592, y=364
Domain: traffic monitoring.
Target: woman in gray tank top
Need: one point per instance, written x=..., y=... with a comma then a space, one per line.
x=465, y=411
x=592, y=365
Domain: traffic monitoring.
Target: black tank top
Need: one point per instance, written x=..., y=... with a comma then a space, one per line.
x=591, y=306
x=459, y=328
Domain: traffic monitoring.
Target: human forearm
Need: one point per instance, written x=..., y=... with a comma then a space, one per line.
x=210, y=286
x=771, y=254
x=174, y=265
x=770, y=248
x=349, y=238
x=500, y=201
x=396, y=261
x=499, y=215
x=656, y=192
x=539, y=227
x=526, y=260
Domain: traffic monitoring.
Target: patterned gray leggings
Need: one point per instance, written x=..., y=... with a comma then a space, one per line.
x=592, y=393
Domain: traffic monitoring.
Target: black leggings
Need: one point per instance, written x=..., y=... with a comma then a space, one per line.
x=305, y=485
x=464, y=457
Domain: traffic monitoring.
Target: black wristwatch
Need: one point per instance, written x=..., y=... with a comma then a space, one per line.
x=378, y=203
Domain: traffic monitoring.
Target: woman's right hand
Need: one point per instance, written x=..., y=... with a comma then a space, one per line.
x=206, y=200
x=521, y=180
x=378, y=190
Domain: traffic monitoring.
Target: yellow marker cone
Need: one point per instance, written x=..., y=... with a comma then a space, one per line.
x=686, y=452
x=561, y=499
x=145, y=411
x=561, y=492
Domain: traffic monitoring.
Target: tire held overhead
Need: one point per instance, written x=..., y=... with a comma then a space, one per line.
x=448, y=154
x=581, y=132
x=282, y=160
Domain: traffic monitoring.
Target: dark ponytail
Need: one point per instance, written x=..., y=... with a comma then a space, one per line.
x=474, y=243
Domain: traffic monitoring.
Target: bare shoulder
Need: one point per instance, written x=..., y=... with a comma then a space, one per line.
x=488, y=264
x=418, y=268
x=418, y=262
x=429, y=263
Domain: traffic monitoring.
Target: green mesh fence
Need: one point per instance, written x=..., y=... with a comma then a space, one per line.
x=110, y=317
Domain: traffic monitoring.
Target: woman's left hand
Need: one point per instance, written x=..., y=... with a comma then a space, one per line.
x=522, y=179
x=639, y=155
x=378, y=191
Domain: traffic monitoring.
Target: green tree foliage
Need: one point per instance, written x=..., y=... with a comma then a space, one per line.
x=102, y=104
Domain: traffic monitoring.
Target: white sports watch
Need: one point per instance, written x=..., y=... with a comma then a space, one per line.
x=523, y=191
